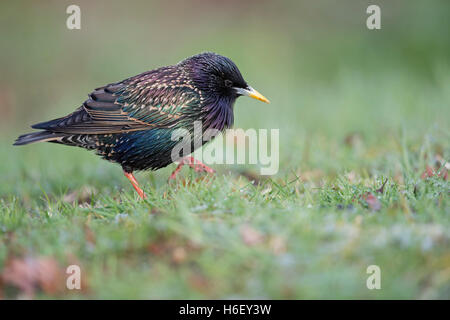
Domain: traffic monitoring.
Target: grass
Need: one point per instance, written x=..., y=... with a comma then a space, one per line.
x=310, y=234
x=356, y=111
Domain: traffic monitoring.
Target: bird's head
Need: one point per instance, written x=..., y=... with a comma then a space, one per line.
x=219, y=77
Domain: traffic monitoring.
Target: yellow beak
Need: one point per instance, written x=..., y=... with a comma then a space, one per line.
x=252, y=93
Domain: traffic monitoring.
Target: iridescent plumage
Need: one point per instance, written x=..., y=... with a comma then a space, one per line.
x=131, y=122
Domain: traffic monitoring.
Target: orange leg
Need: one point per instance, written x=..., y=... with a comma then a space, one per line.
x=194, y=164
x=135, y=184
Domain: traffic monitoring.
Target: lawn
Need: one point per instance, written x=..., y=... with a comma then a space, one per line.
x=364, y=153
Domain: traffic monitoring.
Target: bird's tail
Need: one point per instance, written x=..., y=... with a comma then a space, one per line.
x=38, y=137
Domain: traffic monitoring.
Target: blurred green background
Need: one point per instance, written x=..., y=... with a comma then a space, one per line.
x=325, y=72
x=345, y=98
x=323, y=69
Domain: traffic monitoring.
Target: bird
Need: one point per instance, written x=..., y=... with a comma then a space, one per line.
x=131, y=122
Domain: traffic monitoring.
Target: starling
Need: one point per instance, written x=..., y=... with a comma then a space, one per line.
x=131, y=122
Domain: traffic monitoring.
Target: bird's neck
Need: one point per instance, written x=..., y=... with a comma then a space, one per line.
x=218, y=114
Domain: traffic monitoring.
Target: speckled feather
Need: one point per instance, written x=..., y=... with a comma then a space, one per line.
x=131, y=122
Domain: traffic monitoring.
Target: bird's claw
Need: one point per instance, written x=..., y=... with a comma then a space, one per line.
x=194, y=164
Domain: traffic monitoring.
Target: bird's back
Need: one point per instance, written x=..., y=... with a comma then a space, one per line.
x=130, y=122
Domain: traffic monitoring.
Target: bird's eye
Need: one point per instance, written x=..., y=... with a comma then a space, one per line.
x=228, y=83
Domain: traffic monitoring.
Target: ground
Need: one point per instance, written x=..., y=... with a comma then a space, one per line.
x=364, y=151
x=307, y=234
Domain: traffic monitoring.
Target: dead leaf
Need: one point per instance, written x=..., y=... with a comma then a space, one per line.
x=252, y=176
x=250, y=236
x=30, y=274
x=51, y=276
x=428, y=173
x=277, y=244
x=82, y=196
x=179, y=255
x=354, y=140
x=444, y=173
x=200, y=283
x=311, y=175
x=177, y=249
x=157, y=248
x=372, y=201
x=398, y=178
x=156, y=210
x=89, y=234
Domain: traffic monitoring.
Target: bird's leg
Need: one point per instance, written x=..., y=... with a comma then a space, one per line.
x=194, y=164
x=135, y=184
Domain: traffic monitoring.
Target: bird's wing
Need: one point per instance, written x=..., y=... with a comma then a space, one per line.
x=129, y=106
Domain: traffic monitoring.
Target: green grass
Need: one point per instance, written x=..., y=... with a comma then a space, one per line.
x=308, y=234
x=355, y=108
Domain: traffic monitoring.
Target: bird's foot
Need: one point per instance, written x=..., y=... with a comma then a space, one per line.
x=194, y=164
x=135, y=184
